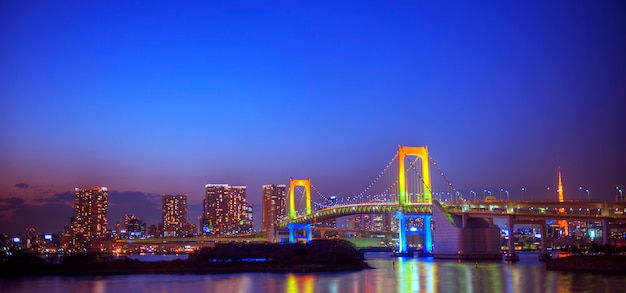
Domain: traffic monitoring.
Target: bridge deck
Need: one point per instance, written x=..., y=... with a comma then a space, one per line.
x=539, y=209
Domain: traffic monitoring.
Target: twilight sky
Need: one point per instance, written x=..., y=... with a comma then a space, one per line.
x=149, y=98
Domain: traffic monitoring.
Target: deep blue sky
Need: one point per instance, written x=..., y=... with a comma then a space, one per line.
x=150, y=98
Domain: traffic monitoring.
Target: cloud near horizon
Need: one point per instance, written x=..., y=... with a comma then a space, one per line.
x=22, y=185
x=66, y=197
x=49, y=214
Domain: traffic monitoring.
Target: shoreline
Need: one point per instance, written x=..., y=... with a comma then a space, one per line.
x=136, y=267
x=602, y=264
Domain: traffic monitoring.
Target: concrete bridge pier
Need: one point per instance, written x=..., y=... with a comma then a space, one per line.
x=511, y=255
x=461, y=236
x=606, y=231
x=428, y=234
x=543, y=227
x=403, y=246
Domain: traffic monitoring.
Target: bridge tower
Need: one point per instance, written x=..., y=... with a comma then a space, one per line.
x=420, y=152
x=293, y=183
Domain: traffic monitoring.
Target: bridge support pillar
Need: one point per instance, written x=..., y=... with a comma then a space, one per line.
x=428, y=234
x=606, y=232
x=543, y=228
x=510, y=255
x=292, y=232
x=544, y=237
x=403, y=247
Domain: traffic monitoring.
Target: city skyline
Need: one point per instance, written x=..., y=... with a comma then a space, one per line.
x=165, y=98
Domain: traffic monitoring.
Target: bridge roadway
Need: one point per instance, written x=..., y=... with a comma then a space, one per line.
x=519, y=210
x=535, y=210
x=199, y=241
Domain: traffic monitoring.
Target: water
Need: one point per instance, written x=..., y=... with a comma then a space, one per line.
x=390, y=275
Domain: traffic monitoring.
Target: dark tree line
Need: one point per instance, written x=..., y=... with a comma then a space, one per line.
x=320, y=255
x=322, y=252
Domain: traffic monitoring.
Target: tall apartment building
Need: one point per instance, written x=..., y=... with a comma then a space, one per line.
x=90, y=216
x=226, y=210
x=274, y=204
x=174, y=211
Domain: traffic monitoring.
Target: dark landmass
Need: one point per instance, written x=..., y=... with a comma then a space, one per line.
x=318, y=256
x=605, y=264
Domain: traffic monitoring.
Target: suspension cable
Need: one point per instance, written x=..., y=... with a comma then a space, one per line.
x=318, y=192
x=457, y=193
x=379, y=175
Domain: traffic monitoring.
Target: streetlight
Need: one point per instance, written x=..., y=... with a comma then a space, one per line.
x=507, y=195
x=620, y=191
x=501, y=193
x=474, y=192
x=523, y=193
x=486, y=192
x=587, y=195
x=580, y=191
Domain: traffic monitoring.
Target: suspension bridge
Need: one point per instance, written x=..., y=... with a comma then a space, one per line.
x=403, y=189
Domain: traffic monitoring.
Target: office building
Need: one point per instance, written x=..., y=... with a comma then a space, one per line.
x=274, y=204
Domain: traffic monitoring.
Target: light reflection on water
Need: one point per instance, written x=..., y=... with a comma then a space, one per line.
x=390, y=275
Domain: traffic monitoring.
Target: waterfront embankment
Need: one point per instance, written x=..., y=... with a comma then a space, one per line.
x=605, y=264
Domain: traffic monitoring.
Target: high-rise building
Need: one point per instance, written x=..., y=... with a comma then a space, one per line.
x=226, y=210
x=90, y=216
x=174, y=210
x=274, y=204
x=215, y=209
x=239, y=210
x=249, y=218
